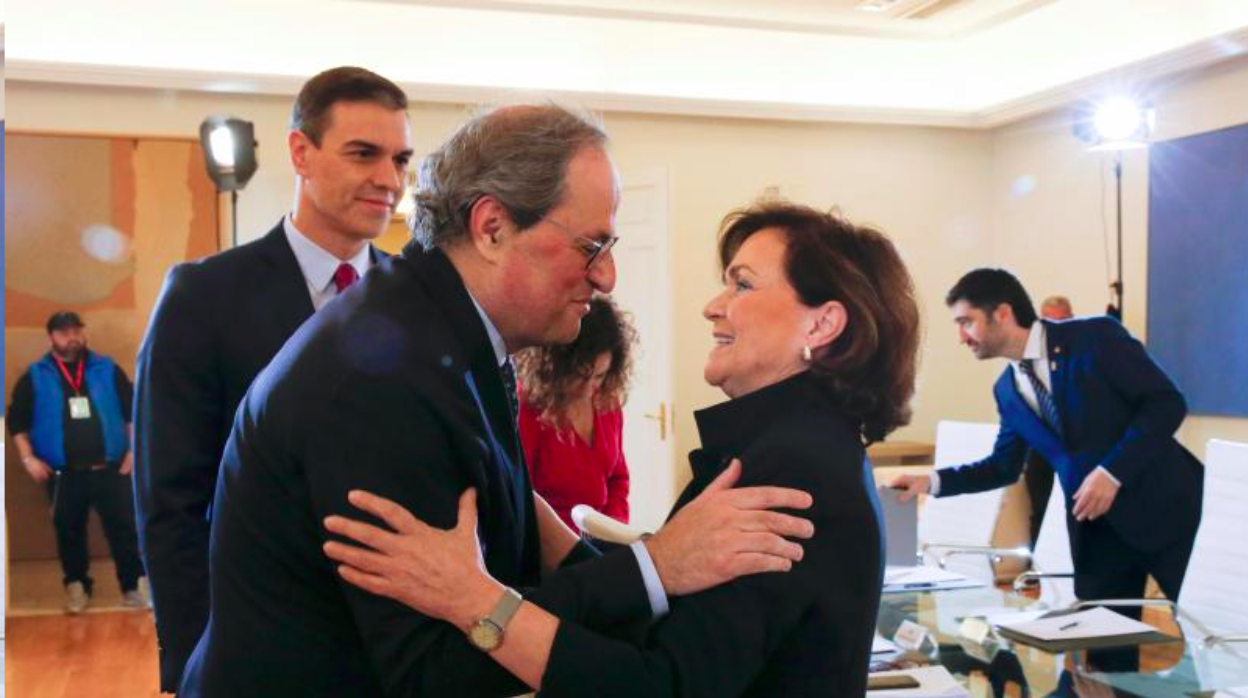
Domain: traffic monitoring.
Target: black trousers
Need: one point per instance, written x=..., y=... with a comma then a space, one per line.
x=1106, y=567
x=74, y=494
x=1038, y=477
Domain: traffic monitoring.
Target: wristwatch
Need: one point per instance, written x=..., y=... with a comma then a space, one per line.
x=487, y=633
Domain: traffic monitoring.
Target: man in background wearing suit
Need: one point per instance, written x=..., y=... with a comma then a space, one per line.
x=220, y=320
x=1086, y=396
x=404, y=388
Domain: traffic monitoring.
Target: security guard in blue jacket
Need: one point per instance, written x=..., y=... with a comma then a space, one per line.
x=70, y=420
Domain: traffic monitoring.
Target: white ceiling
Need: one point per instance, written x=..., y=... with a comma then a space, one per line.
x=942, y=62
x=879, y=18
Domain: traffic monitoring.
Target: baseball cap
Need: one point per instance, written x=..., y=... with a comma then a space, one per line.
x=64, y=319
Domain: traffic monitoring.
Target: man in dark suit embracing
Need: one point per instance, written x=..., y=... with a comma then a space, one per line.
x=404, y=388
x=220, y=320
x=1087, y=397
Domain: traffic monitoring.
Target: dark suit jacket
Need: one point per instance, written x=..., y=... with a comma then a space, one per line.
x=218, y=321
x=807, y=632
x=393, y=388
x=1118, y=409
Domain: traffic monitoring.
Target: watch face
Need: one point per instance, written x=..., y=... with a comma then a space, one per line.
x=485, y=635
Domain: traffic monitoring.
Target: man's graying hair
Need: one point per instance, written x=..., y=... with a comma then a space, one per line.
x=517, y=154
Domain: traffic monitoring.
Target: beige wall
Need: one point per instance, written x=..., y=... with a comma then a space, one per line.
x=1047, y=211
x=945, y=195
x=927, y=187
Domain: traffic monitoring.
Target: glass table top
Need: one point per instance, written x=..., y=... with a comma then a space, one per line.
x=996, y=667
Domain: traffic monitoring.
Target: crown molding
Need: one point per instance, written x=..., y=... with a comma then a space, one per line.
x=1227, y=47
x=287, y=85
x=1150, y=71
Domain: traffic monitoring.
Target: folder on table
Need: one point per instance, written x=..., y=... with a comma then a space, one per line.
x=1093, y=628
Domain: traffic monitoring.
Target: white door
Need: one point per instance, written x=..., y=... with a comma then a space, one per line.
x=644, y=289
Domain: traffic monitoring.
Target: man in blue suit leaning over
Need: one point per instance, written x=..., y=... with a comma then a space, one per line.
x=1086, y=396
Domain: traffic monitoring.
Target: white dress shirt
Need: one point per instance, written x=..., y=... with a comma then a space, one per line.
x=1037, y=350
x=318, y=266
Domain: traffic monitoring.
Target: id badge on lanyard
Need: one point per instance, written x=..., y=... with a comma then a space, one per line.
x=79, y=405
x=79, y=408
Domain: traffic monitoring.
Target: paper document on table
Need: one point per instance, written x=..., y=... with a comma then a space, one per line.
x=934, y=682
x=999, y=617
x=1094, y=622
x=1240, y=692
x=924, y=578
x=879, y=645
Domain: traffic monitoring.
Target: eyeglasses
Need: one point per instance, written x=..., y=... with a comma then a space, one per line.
x=592, y=249
x=595, y=249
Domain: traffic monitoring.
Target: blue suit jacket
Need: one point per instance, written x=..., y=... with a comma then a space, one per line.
x=1118, y=409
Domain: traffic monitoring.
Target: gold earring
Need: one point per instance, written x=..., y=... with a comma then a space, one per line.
x=806, y=353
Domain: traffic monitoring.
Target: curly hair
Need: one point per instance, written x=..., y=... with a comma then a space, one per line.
x=869, y=370
x=549, y=374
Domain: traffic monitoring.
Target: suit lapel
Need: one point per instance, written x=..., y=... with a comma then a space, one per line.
x=286, y=291
x=1025, y=420
x=444, y=284
x=1056, y=346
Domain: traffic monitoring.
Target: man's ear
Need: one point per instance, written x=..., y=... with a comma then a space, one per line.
x=1002, y=313
x=826, y=323
x=298, y=143
x=487, y=225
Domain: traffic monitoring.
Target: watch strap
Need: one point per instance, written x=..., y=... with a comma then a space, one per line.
x=505, y=608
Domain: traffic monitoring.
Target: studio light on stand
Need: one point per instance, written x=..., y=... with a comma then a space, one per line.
x=229, y=146
x=1115, y=124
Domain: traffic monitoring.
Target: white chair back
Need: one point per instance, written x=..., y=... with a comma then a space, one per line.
x=1051, y=554
x=1212, y=600
x=967, y=520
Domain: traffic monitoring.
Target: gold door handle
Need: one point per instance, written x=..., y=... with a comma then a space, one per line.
x=661, y=418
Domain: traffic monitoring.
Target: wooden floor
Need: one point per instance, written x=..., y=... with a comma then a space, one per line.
x=101, y=655
x=108, y=651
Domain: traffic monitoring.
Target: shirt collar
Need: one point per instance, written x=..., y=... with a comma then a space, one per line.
x=1036, y=348
x=318, y=266
x=496, y=339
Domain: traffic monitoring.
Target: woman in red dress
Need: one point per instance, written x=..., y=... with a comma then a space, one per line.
x=571, y=424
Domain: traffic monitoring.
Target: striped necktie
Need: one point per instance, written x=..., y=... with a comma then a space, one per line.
x=1048, y=409
x=509, y=384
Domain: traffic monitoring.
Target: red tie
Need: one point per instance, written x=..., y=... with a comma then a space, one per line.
x=344, y=276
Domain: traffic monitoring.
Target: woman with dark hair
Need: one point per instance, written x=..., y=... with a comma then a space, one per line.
x=815, y=343
x=571, y=424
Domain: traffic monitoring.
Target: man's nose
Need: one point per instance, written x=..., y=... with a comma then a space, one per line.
x=602, y=273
